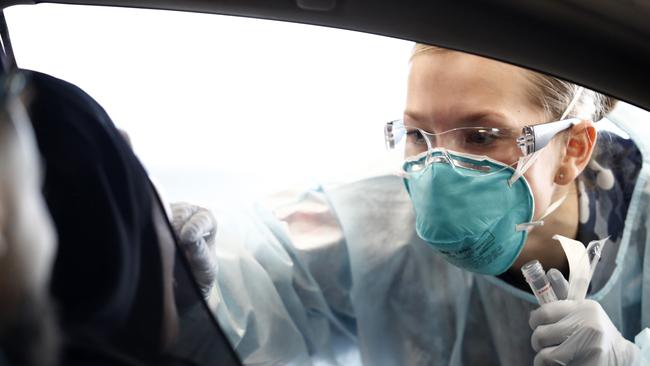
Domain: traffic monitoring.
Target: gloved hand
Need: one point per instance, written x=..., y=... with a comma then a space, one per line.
x=196, y=229
x=576, y=332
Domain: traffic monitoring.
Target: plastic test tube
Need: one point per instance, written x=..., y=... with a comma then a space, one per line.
x=536, y=278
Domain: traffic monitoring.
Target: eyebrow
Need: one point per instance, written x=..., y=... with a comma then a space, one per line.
x=496, y=119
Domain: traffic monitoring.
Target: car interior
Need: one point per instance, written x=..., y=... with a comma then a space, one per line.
x=125, y=289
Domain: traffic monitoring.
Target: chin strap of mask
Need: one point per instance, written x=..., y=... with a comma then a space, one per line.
x=528, y=226
x=524, y=164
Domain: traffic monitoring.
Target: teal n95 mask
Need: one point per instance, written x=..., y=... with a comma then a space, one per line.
x=474, y=211
x=473, y=218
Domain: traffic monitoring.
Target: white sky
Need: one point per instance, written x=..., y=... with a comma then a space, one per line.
x=217, y=105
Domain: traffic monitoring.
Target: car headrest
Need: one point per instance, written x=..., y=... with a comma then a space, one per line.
x=107, y=277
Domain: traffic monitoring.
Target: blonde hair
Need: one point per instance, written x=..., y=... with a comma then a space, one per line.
x=552, y=94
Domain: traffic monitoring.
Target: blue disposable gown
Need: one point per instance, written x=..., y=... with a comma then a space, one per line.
x=337, y=276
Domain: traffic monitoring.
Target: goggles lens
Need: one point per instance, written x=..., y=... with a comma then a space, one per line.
x=470, y=149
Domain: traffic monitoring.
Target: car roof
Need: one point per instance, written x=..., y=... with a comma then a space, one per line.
x=604, y=45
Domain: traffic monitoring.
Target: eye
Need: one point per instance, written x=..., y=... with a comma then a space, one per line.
x=480, y=137
x=415, y=137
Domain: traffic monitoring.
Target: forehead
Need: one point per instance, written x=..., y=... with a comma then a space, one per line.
x=445, y=86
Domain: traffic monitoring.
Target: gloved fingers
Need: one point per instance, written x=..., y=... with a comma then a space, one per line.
x=201, y=226
x=181, y=212
x=196, y=228
x=556, y=355
x=559, y=283
x=572, y=351
x=551, y=312
x=551, y=334
x=543, y=357
x=203, y=264
x=194, y=248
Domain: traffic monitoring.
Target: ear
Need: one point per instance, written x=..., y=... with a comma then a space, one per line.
x=579, y=146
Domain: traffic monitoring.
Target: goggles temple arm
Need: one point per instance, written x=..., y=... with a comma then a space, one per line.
x=536, y=137
x=389, y=137
x=394, y=132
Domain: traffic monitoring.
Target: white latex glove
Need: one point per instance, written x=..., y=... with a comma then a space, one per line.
x=196, y=229
x=576, y=332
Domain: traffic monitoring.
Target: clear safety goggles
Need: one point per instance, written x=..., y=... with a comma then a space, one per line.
x=473, y=150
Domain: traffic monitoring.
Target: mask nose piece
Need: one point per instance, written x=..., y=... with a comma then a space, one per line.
x=441, y=157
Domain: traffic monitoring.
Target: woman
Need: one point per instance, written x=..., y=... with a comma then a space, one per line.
x=348, y=280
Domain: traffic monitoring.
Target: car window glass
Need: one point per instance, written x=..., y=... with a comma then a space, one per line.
x=225, y=112
x=267, y=142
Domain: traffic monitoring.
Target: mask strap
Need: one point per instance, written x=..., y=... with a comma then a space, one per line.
x=573, y=102
x=525, y=162
x=528, y=226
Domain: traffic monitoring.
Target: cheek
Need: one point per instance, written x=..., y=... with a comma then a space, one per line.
x=541, y=177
